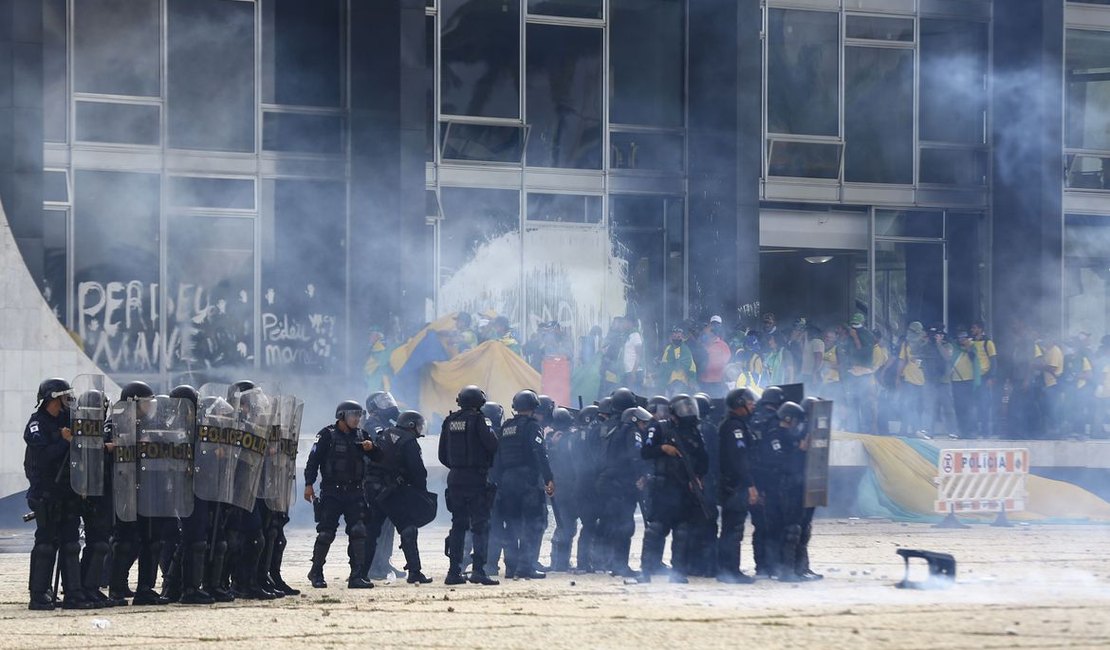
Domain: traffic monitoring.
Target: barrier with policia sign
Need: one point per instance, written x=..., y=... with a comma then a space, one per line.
x=981, y=481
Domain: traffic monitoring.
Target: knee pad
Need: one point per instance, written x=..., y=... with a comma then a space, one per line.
x=325, y=536
x=44, y=550
x=408, y=534
x=358, y=531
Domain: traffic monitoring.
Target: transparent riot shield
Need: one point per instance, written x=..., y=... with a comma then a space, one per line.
x=88, y=408
x=231, y=444
x=124, y=416
x=279, y=475
x=818, y=436
x=165, y=457
x=214, y=455
x=251, y=438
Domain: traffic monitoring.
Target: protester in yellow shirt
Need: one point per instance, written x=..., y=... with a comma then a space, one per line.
x=910, y=380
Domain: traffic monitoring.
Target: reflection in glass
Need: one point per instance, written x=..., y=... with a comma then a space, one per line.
x=647, y=35
x=909, y=285
x=803, y=72
x=477, y=219
x=116, y=47
x=54, y=186
x=878, y=28
x=302, y=133
x=218, y=193
x=1087, y=79
x=569, y=8
x=953, y=81
x=118, y=123
x=1088, y=172
x=564, y=208
x=115, y=268
x=878, y=115
x=564, y=96
x=804, y=159
x=54, y=105
x=210, y=292
x=648, y=233
x=483, y=143
x=480, y=51
x=302, y=58
x=211, y=96
x=1087, y=274
x=953, y=166
x=909, y=223
x=652, y=151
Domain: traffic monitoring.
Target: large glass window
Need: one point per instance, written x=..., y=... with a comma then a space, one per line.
x=878, y=115
x=210, y=292
x=954, y=66
x=647, y=35
x=803, y=72
x=480, y=247
x=211, y=75
x=116, y=268
x=649, y=234
x=480, y=52
x=55, y=249
x=116, y=47
x=564, y=96
x=55, y=112
x=430, y=88
x=1087, y=78
x=303, y=132
x=118, y=123
x=569, y=8
x=302, y=52
x=304, y=275
x=1087, y=275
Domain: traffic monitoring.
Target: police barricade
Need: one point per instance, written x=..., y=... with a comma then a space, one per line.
x=973, y=481
x=818, y=435
x=279, y=471
x=88, y=408
x=165, y=457
x=125, y=483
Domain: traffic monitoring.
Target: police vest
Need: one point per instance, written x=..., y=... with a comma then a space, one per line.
x=390, y=442
x=346, y=463
x=519, y=438
x=464, y=443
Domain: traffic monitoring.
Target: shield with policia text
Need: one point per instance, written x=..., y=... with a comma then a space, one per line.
x=214, y=458
x=164, y=454
x=818, y=436
x=88, y=408
x=125, y=482
x=231, y=445
x=279, y=472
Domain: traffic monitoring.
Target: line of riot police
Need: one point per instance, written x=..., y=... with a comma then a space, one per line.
x=195, y=485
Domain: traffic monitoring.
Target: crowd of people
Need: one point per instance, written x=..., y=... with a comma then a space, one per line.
x=195, y=487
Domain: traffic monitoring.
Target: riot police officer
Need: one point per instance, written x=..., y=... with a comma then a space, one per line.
x=522, y=475
x=561, y=452
x=338, y=456
x=619, y=482
x=404, y=499
x=381, y=413
x=587, y=458
x=50, y=497
x=495, y=413
x=466, y=448
x=782, y=457
x=762, y=420
x=676, y=488
x=736, y=489
x=702, y=559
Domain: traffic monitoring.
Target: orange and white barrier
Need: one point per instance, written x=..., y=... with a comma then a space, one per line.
x=981, y=480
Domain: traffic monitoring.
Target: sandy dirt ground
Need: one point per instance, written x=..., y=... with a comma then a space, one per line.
x=1022, y=587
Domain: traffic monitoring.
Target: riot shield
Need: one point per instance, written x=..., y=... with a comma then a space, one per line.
x=88, y=407
x=818, y=436
x=124, y=416
x=231, y=446
x=165, y=457
x=279, y=473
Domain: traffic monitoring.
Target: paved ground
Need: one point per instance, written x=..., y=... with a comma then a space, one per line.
x=1024, y=587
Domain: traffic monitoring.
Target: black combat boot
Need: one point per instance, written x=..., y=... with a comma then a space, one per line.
x=70, y=559
x=275, y=568
x=192, y=575
x=42, y=570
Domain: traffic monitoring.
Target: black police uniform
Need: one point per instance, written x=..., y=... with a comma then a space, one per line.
x=520, y=470
x=562, y=456
x=398, y=461
x=620, y=470
x=97, y=517
x=735, y=439
x=702, y=556
x=380, y=567
x=54, y=503
x=466, y=448
x=782, y=470
x=337, y=456
x=674, y=508
x=589, y=451
x=763, y=421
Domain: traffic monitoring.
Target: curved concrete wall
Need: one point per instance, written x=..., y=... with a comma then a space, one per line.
x=33, y=346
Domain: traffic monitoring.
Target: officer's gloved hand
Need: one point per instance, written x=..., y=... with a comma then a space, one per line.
x=309, y=493
x=549, y=488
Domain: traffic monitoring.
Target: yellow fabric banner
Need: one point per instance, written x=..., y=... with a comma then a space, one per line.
x=491, y=366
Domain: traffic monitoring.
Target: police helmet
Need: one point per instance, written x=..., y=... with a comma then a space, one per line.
x=561, y=418
x=623, y=399
x=494, y=412
x=372, y=401
x=704, y=405
x=92, y=399
x=773, y=396
x=52, y=389
x=738, y=397
x=346, y=408
x=214, y=406
x=808, y=403
x=791, y=414
x=659, y=406
x=471, y=397
x=635, y=414
x=383, y=401
x=546, y=407
x=136, y=390
x=238, y=388
x=185, y=391
x=588, y=415
x=412, y=421
x=526, y=400
x=605, y=408
x=685, y=408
